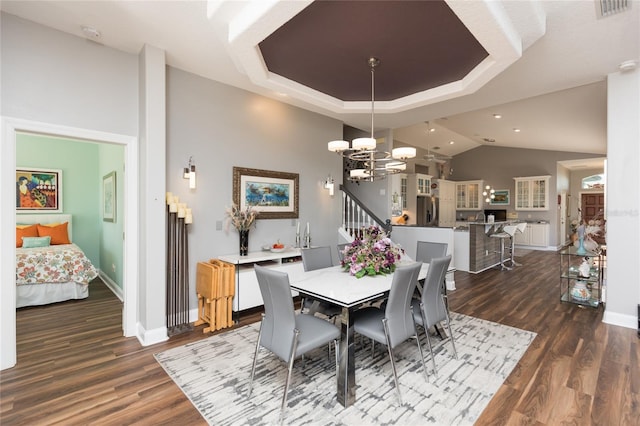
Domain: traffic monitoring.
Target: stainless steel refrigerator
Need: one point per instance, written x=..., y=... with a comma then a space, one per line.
x=428, y=210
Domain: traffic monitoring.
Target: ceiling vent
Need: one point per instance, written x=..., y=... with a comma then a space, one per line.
x=606, y=8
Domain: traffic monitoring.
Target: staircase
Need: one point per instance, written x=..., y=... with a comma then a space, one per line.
x=356, y=216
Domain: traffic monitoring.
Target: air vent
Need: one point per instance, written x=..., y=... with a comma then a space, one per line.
x=606, y=8
x=488, y=140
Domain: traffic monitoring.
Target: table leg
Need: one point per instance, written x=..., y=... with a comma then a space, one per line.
x=347, y=367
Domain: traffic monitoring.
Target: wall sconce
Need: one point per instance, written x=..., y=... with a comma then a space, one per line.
x=190, y=173
x=328, y=184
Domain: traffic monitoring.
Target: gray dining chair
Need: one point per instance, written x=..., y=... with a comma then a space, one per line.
x=427, y=250
x=284, y=333
x=395, y=324
x=317, y=258
x=430, y=310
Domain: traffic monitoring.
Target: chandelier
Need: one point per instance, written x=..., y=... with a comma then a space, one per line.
x=375, y=164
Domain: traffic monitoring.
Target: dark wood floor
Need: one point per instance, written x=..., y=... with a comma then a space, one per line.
x=74, y=366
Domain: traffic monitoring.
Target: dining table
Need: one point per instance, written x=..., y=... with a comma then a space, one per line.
x=338, y=287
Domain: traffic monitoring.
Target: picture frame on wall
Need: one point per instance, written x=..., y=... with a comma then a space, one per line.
x=109, y=201
x=501, y=197
x=38, y=190
x=273, y=194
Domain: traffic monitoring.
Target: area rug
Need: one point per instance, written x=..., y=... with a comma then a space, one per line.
x=214, y=374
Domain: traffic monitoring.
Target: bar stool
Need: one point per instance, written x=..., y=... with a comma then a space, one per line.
x=511, y=230
x=502, y=235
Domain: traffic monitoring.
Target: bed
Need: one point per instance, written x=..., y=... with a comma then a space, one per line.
x=53, y=272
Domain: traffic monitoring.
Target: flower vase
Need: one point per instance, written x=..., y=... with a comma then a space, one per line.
x=581, y=249
x=244, y=242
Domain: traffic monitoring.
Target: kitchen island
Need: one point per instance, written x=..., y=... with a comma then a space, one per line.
x=475, y=250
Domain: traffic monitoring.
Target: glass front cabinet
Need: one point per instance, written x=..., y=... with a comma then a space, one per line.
x=468, y=195
x=532, y=193
x=581, y=277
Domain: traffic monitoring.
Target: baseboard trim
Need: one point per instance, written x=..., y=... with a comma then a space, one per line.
x=151, y=337
x=622, y=320
x=111, y=285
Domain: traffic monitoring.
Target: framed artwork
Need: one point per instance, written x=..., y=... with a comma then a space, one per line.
x=38, y=190
x=501, y=197
x=273, y=194
x=109, y=206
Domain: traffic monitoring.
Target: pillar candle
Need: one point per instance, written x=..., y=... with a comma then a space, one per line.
x=181, y=212
x=173, y=207
x=169, y=198
x=298, y=228
x=307, y=228
x=188, y=219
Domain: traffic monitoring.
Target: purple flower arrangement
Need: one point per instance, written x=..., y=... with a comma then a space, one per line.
x=372, y=254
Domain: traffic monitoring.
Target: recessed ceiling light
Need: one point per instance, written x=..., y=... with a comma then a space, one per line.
x=516, y=130
x=451, y=142
x=497, y=115
x=489, y=140
x=432, y=129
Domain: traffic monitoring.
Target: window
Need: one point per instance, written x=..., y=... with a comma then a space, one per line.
x=593, y=182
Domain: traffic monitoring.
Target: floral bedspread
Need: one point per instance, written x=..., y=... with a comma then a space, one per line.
x=53, y=264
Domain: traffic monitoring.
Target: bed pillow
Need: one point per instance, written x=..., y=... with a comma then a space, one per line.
x=25, y=231
x=58, y=234
x=31, y=242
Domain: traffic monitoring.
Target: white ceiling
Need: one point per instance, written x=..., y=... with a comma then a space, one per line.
x=555, y=92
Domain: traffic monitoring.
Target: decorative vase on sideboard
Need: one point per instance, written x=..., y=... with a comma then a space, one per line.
x=244, y=242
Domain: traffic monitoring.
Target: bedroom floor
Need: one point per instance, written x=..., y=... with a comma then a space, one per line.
x=74, y=366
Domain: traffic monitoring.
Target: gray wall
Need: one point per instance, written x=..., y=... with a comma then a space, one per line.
x=497, y=166
x=221, y=127
x=55, y=77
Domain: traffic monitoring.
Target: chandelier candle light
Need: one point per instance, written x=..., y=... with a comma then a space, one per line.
x=377, y=164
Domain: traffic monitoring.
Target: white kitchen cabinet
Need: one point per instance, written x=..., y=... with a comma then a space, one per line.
x=534, y=235
x=423, y=184
x=399, y=187
x=532, y=193
x=447, y=197
x=539, y=235
x=523, y=238
x=468, y=195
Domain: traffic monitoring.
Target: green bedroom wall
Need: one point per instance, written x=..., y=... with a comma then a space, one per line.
x=82, y=164
x=111, y=241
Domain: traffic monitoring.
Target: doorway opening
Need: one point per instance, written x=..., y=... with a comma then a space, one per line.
x=11, y=128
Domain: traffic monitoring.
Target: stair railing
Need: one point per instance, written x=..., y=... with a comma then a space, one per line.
x=356, y=216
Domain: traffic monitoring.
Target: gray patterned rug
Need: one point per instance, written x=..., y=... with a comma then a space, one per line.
x=214, y=374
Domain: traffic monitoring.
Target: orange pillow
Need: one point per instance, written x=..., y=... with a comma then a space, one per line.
x=25, y=231
x=58, y=234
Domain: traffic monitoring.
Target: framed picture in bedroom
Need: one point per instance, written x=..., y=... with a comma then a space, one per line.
x=38, y=190
x=109, y=206
x=273, y=194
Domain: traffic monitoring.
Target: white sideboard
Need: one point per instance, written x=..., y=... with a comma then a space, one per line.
x=247, y=290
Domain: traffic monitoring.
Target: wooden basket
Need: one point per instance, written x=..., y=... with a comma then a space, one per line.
x=215, y=287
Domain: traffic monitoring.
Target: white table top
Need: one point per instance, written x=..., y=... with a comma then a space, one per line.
x=340, y=288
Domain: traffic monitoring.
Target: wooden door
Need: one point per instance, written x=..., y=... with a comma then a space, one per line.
x=592, y=205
